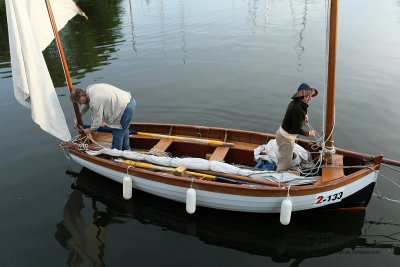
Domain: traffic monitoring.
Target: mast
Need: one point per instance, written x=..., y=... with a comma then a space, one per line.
x=64, y=63
x=331, y=86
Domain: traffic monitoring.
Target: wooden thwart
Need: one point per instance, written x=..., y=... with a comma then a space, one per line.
x=163, y=144
x=219, y=153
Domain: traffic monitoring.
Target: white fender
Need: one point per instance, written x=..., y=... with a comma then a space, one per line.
x=286, y=211
x=190, y=201
x=127, y=187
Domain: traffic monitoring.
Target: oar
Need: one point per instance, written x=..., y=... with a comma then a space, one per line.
x=195, y=174
x=196, y=140
x=174, y=137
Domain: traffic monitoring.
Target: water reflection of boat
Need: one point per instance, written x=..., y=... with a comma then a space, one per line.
x=311, y=234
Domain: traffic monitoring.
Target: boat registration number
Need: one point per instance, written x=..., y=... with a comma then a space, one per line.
x=329, y=197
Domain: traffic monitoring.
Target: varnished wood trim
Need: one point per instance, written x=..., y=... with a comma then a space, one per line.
x=163, y=144
x=333, y=171
x=219, y=153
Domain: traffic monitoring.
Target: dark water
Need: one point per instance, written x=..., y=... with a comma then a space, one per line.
x=222, y=63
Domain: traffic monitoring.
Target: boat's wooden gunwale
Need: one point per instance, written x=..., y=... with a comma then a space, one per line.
x=245, y=145
x=247, y=190
x=235, y=136
x=197, y=128
x=261, y=138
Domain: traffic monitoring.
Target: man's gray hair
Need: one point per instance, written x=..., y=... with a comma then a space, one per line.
x=77, y=94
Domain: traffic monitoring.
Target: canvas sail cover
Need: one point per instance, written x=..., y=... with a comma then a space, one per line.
x=30, y=32
x=199, y=164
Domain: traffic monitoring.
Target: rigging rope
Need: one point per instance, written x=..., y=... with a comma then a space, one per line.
x=327, y=11
x=390, y=180
x=385, y=198
x=390, y=167
x=82, y=142
x=379, y=195
x=321, y=139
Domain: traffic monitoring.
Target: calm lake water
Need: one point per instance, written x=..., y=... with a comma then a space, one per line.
x=228, y=63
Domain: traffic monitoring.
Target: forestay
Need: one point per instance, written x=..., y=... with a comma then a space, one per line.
x=30, y=32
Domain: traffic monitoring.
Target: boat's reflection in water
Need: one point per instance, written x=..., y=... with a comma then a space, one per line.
x=308, y=235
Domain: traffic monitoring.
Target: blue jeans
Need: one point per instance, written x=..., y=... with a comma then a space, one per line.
x=121, y=136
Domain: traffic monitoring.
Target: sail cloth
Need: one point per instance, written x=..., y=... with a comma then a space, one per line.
x=30, y=32
x=270, y=153
x=203, y=164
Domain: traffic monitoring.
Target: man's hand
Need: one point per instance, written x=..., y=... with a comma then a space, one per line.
x=90, y=133
x=87, y=130
x=311, y=133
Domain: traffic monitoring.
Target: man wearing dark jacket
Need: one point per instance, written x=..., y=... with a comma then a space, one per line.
x=292, y=125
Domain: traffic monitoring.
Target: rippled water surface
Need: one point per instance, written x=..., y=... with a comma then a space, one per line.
x=228, y=63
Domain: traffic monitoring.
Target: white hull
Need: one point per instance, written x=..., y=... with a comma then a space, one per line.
x=232, y=202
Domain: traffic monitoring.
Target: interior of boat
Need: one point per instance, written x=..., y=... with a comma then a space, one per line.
x=240, y=153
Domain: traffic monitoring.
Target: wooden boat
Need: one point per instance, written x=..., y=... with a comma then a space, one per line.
x=352, y=189
x=346, y=180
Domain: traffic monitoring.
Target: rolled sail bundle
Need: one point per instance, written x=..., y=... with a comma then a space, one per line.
x=206, y=165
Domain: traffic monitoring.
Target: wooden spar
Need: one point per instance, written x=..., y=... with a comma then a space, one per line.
x=391, y=162
x=166, y=169
x=349, y=153
x=208, y=175
x=331, y=91
x=64, y=63
x=190, y=139
x=331, y=87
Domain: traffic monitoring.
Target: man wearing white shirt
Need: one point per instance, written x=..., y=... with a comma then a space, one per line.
x=110, y=107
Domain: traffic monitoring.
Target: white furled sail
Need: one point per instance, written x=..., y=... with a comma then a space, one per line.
x=199, y=164
x=30, y=32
